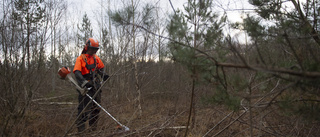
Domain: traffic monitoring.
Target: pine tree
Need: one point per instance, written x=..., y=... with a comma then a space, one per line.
x=187, y=45
x=85, y=30
x=139, y=23
x=29, y=15
x=290, y=42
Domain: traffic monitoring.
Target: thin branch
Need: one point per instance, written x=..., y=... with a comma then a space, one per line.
x=279, y=93
x=266, y=69
x=218, y=123
x=304, y=19
x=229, y=124
x=294, y=51
x=274, y=70
x=172, y=7
x=40, y=99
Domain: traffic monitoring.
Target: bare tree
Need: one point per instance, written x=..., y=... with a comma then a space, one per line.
x=129, y=18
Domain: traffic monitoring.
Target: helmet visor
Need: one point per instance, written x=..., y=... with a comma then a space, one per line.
x=92, y=50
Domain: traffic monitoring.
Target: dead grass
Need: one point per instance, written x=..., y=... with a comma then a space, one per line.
x=163, y=116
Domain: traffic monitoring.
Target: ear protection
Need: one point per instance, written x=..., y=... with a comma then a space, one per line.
x=87, y=45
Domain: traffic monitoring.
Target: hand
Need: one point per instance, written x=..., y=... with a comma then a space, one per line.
x=87, y=84
x=83, y=92
x=105, y=77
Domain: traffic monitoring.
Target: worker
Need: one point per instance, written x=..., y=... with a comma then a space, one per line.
x=89, y=72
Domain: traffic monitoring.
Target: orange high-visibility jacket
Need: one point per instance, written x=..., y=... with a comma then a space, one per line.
x=81, y=64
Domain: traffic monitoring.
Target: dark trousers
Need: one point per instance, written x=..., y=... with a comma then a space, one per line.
x=91, y=113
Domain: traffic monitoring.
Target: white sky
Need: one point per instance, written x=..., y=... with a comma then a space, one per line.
x=232, y=7
x=93, y=8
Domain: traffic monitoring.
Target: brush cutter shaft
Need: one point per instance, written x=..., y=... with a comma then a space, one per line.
x=82, y=90
x=125, y=127
x=104, y=110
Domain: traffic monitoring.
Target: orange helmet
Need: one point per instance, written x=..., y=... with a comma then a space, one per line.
x=92, y=43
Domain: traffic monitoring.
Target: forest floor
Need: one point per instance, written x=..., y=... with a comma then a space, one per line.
x=163, y=114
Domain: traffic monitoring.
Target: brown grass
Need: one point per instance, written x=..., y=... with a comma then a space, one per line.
x=165, y=104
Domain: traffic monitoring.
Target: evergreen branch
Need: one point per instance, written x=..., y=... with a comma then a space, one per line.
x=294, y=51
x=304, y=19
x=267, y=69
x=307, y=100
x=273, y=70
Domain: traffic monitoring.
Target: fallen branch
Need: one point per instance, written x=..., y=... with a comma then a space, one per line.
x=40, y=99
x=219, y=123
x=57, y=103
x=163, y=127
x=153, y=129
x=230, y=124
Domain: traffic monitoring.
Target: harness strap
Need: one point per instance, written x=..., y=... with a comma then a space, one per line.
x=91, y=67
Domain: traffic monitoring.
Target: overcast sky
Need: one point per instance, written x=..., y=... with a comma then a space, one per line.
x=234, y=8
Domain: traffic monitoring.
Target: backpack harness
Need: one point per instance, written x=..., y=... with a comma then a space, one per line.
x=91, y=68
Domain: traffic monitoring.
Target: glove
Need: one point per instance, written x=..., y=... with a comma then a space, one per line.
x=87, y=84
x=105, y=77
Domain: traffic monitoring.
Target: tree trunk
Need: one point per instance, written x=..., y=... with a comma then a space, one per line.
x=135, y=62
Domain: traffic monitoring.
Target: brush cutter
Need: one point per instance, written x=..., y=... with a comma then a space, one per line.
x=64, y=73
